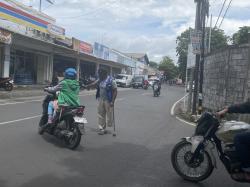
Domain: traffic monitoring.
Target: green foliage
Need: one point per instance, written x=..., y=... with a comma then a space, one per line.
x=153, y=64
x=218, y=40
x=241, y=37
x=167, y=65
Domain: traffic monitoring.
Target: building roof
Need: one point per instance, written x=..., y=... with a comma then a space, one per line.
x=138, y=56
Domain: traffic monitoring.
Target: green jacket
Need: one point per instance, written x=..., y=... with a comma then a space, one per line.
x=69, y=93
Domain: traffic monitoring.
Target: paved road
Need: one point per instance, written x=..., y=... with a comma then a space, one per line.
x=139, y=156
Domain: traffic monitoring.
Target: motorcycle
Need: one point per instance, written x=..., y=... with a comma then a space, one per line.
x=193, y=157
x=68, y=126
x=156, y=89
x=6, y=83
x=145, y=84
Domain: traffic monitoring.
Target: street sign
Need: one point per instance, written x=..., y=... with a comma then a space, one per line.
x=196, y=38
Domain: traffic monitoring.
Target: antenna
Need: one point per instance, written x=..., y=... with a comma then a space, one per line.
x=40, y=4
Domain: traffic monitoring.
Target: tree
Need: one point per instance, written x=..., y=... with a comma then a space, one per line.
x=218, y=41
x=167, y=65
x=241, y=37
x=153, y=64
x=181, y=50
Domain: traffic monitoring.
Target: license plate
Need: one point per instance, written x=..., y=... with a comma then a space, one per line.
x=80, y=120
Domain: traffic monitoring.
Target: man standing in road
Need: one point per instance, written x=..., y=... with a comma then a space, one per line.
x=106, y=95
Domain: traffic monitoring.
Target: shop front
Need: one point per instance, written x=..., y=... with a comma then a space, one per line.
x=61, y=63
x=87, y=69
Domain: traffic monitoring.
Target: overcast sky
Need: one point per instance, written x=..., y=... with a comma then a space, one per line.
x=143, y=26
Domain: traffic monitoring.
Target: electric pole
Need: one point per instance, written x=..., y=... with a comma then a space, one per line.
x=200, y=26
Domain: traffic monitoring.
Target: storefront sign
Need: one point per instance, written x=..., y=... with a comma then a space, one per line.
x=113, y=56
x=23, y=15
x=82, y=47
x=56, y=30
x=5, y=37
x=67, y=42
x=101, y=51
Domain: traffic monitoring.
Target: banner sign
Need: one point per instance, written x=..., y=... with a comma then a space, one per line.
x=190, y=57
x=113, y=56
x=196, y=39
x=22, y=16
x=82, y=47
x=101, y=51
x=56, y=30
x=5, y=37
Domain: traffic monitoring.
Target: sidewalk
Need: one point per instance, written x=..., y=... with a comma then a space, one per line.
x=26, y=91
x=34, y=91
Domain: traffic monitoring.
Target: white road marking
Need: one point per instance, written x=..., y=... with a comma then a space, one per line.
x=172, y=113
x=120, y=99
x=23, y=119
x=173, y=107
x=191, y=124
x=14, y=103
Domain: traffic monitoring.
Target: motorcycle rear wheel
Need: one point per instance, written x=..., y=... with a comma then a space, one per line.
x=74, y=141
x=191, y=173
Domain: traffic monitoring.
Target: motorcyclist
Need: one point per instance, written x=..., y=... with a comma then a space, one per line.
x=68, y=95
x=158, y=82
x=241, y=140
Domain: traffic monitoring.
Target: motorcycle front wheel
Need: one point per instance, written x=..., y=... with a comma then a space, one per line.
x=73, y=141
x=200, y=169
x=8, y=87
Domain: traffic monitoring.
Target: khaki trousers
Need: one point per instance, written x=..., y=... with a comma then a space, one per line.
x=105, y=114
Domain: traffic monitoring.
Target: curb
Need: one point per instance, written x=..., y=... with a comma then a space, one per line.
x=172, y=113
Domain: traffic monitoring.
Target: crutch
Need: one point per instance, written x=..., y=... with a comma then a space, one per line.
x=114, y=133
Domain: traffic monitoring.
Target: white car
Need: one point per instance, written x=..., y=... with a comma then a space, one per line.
x=123, y=80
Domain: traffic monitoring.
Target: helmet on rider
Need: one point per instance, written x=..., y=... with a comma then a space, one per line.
x=70, y=73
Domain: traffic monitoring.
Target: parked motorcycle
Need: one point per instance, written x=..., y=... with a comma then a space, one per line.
x=156, y=89
x=193, y=157
x=6, y=83
x=68, y=125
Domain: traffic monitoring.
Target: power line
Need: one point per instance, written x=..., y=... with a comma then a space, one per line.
x=225, y=13
x=220, y=13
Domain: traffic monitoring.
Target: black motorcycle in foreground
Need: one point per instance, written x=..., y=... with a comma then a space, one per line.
x=6, y=83
x=68, y=125
x=156, y=89
x=193, y=157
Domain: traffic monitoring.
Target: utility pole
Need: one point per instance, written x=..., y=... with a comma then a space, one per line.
x=204, y=14
x=200, y=24
x=197, y=59
x=40, y=4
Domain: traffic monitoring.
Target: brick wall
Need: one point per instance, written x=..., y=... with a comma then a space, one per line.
x=226, y=77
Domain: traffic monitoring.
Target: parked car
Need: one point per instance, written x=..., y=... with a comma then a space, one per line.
x=123, y=80
x=138, y=82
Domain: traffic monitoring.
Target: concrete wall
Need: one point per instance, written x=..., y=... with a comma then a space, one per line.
x=226, y=77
